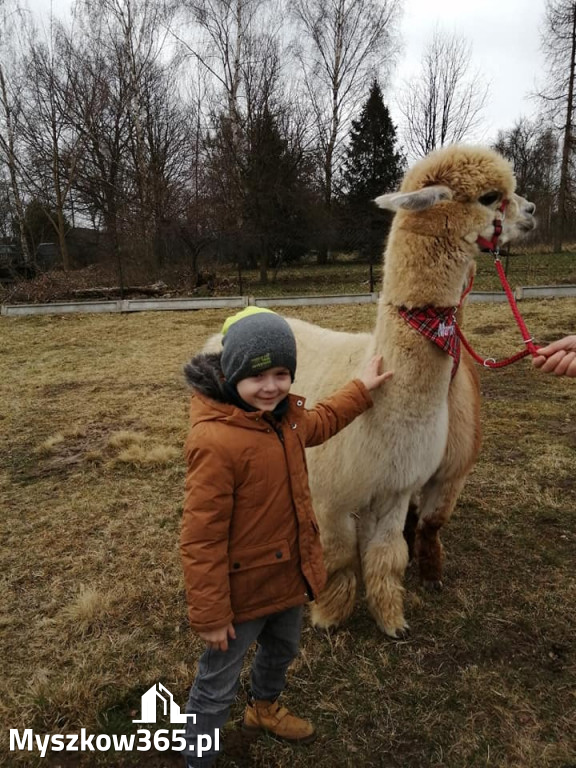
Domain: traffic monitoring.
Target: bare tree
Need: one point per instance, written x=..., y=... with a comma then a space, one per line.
x=170, y=141
x=53, y=145
x=222, y=32
x=134, y=33
x=250, y=85
x=532, y=146
x=103, y=185
x=5, y=207
x=559, y=43
x=134, y=127
x=444, y=104
x=342, y=44
x=256, y=168
x=11, y=115
x=237, y=45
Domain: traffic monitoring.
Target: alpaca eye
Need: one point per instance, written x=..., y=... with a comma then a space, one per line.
x=489, y=198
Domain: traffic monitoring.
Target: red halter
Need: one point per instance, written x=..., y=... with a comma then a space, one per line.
x=439, y=325
x=492, y=245
x=493, y=248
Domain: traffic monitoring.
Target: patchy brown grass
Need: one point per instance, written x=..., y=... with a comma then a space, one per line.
x=93, y=415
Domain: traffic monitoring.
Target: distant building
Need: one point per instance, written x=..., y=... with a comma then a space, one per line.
x=13, y=266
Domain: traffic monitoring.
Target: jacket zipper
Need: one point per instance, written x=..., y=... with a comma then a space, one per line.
x=309, y=591
x=277, y=429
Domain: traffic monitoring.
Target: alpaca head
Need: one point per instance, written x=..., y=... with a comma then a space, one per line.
x=457, y=192
x=519, y=220
x=446, y=202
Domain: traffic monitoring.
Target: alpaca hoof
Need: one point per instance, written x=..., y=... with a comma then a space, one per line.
x=324, y=631
x=320, y=623
x=336, y=602
x=395, y=633
x=432, y=585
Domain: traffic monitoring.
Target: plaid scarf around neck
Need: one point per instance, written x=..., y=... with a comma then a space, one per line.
x=438, y=325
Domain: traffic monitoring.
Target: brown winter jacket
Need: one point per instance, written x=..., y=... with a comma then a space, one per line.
x=249, y=542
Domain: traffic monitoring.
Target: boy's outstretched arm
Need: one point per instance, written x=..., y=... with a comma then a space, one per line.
x=334, y=413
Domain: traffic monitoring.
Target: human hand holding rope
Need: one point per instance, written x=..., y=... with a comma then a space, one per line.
x=558, y=358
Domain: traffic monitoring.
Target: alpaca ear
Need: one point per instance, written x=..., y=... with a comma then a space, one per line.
x=414, y=201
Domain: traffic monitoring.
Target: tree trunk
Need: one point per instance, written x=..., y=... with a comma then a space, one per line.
x=264, y=260
x=11, y=162
x=114, y=236
x=61, y=224
x=64, y=253
x=324, y=249
x=565, y=166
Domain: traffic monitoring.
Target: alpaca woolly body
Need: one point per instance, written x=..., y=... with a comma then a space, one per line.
x=323, y=366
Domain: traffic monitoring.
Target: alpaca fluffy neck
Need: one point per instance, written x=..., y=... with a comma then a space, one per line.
x=419, y=270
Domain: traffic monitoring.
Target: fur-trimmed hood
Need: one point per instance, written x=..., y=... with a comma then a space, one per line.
x=204, y=374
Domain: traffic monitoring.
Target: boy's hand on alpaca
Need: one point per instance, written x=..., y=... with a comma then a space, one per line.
x=217, y=639
x=372, y=378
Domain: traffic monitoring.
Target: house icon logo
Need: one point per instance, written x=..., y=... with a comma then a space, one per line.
x=150, y=699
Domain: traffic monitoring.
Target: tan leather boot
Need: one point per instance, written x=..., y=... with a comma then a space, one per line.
x=270, y=717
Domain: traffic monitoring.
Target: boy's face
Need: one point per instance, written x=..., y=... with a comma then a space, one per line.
x=265, y=390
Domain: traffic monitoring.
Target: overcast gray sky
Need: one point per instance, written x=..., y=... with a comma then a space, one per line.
x=504, y=35
x=505, y=39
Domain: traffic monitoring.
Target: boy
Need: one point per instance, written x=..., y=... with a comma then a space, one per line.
x=250, y=544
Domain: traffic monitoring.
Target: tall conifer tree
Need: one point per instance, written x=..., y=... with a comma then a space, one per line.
x=373, y=164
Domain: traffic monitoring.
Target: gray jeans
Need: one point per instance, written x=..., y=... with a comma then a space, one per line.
x=216, y=683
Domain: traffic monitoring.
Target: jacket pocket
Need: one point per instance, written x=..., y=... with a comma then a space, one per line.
x=260, y=576
x=261, y=555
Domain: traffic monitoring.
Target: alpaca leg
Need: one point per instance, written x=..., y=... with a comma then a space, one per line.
x=384, y=555
x=336, y=601
x=438, y=501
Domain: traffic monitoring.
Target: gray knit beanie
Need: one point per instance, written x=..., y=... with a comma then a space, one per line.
x=254, y=340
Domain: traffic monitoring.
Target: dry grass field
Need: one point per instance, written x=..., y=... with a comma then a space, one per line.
x=93, y=415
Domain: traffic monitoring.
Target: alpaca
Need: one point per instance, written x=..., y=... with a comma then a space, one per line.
x=422, y=436
x=437, y=500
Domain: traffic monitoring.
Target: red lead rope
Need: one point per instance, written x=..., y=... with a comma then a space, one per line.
x=531, y=348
